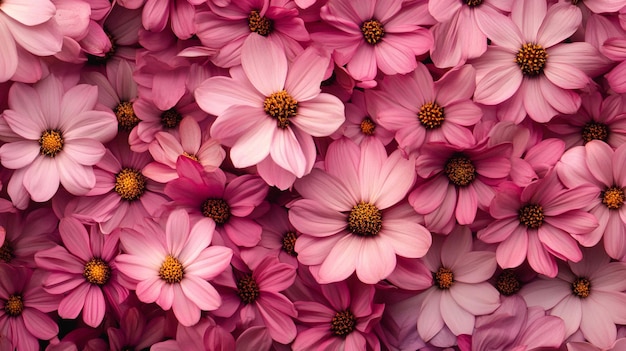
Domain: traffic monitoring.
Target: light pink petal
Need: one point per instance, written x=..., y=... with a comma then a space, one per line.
x=613, y=301
x=190, y=134
x=428, y=196
x=599, y=161
x=41, y=179
x=535, y=336
x=566, y=76
x=187, y=312
x=29, y=13
x=475, y=267
x=304, y=74
x=561, y=21
x=8, y=54
x=75, y=238
x=463, y=79
x=500, y=29
x=177, y=232
x=395, y=179
x=535, y=93
x=467, y=205
x=321, y=116
x=217, y=94
x=545, y=293
x=569, y=310
x=443, y=10
x=287, y=152
x=264, y=63
x=408, y=238
x=456, y=247
x=312, y=218
x=211, y=262
x=39, y=324
x=373, y=157
x=392, y=57
x=477, y=299
x=499, y=84
x=429, y=320
x=619, y=164
x=376, y=259
x=314, y=250
x=512, y=251
x=597, y=326
x=363, y=63
x=150, y=289
x=43, y=39
x=253, y=146
x=326, y=190
x=201, y=293
x=182, y=19
x=279, y=324
x=199, y=238
x=85, y=152
x=341, y=260
x=528, y=16
x=19, y=154
x=456, y=318
x=611, y=277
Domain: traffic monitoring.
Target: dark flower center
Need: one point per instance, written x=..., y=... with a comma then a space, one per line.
x=373, y=31
x=14, y=305
x=282, y=106
x=171, y=270
x=171, y=118
x=126, y=117
x=507, y=283
x=97, y=271
x=51, y=142
x=130, y=184
x=595, y=131
x=248, y=289
x=460, y=170
x=260, y=25
x=444, y=278
x=613, y=197
x=365, y=219
x=531, y=216
x=343, y=323
x=216, y=209
x=581, y=287
x=431, y=115
x=7, y=252
x=473, y=3
x=531, y=59
x=368, y=126
x=289, y=243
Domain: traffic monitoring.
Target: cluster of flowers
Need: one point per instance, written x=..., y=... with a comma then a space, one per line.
x=313, y=175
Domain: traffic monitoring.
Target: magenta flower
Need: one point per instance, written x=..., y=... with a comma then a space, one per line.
x=172, y=264
x=84, y=270
x=23, y=316
x=541, y=222
x=58, y=138
x=269, y=114
x=353, y=216
x=26, y=234
x=588, y=295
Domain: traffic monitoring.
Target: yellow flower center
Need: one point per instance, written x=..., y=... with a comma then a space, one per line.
x=595, y=131
x=170, y=118
x=247, y=289
x=260, y=25
x=368, y=126
x=190, y=156
x=171, y=270
x=444, y=278
x=282, y=106
x=14, y=306
x=431, y=115
x=365, y=219
x=130, y=184
x=581, y=287
x=460, y=170
x=51, y=142
x=289, y=243
x=216, y=209
x=531, y=216
x=97, y=271
x=373, y=31
x=126, y=117
x=531, y=59
x=613, y=197
x=343, y=323
x=507, y=283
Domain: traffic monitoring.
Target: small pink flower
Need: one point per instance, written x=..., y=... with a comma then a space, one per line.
x=172, y=264
x=361, y=121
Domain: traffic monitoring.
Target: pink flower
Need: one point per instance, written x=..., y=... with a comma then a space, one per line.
x=419, y=110
x=136, y=331
x=588, y=295
x=172, y=264
x=361, y=121
x=270, y=113
x=459, y=290
x=457, y=182
x=23, y=317
x=353, y=216
x=84, y=270
x=528, y=67
x=59, y=136
x=541, y=222
x=375, y=34
x=26, y=234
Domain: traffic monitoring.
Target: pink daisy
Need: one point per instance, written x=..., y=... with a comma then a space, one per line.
x=172, y=264
x=84, y=270
x=588, y=295
x=529, y=67
x=375, y=34
x=361, y=121
x=541, y=222
x=270, y=112
x=353, y=216
x=26, y=234
x=59, y=136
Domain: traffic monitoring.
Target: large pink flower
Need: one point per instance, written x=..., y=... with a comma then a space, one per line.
x=58, y=138
x=270, y=112
x=353, y=216
x=172, y=265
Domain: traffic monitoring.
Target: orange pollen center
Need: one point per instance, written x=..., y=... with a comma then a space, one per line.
x=97, y=271
x=460, y=170
x=373, y=31
x=171, y=270
x=130, y=184
x=260, y=25
x=368, y=126
x=613, y=197
x=14, y=305
x=444, y=278
x=282, y=106
x=51, y=142
x=216, y=209
x=365, y=219
x=531, y=59
x=289, y=243
x=431, y=115
x=581, y=287
x=126, y=117
x=531, y=216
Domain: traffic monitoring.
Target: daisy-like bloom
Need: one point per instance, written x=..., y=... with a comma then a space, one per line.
x=375, y=34
x=457, y=182
x=227, y=28
x=190, y=142
x=529, y=67
x=459, y=290
x=229, y=204
x=25, y=234
x=342, y=316
x=23, y=316
x=588, y=295
x=27, y=27
x=270, y=112
x=361, y=121
x=419, y=110
x=598, y=119
x=60, y=136
x=84, y=270
x=513, y=326
x=353, y=215
x=541, y=222
x=172, y=264
x=598, y=165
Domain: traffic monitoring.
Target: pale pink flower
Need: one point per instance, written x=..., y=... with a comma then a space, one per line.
x=419, y=110
x=84, y=270
x=269, y=112
x=588, y=295
x=172, y=264
x=375, y=34
x=353, y=215
x=459, y=290
x=599, y=166
x=361, y=121
x=528, y=67
x=541, y=222
x=60, y=137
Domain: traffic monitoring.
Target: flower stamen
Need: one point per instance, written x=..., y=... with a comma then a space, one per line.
x=613, y=197
x=289, y=243
x=51, y=142
x=97, y=271
x=260, y=25
x=248, y=289
x=7, y=252
x=473, y=3
x=126, y=117
x=130, y=184
x=431, y=115
x=531, y=59
x=216, y=209
x=171, y=118
x=507, y=283
x=531, y=216
x=343, y=323
x=595, y=131
x=282, y=106
x=367, y=126
x=373, y=31
x=460, y=170
x=14, y=305
x=581, y=287
x=444, y=278
x=365, y=219
x=171, y=270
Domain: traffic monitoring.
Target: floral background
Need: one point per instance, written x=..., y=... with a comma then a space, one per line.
x=313, y=175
